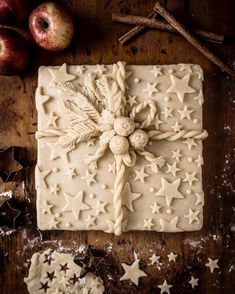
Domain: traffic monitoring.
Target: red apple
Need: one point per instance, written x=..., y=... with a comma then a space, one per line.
x=51, y=26
x=13, y=11
x=13, y=52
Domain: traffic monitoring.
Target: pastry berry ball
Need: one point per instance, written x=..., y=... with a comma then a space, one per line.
x=139, y=139
x=119, y=145
x=124, y=126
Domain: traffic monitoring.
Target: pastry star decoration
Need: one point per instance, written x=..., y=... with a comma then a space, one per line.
x=99, y=207
x=155, y=208
x=140, y=175
x=129, y=197
x=156, y=71
x=75, y=204
x=154, y=259
x=51, y=121
x=40, y=103
x=41, y=175
x=192, y=216
x=172, y=168
x=170, y=226
x=176, y=154
x=212, y=264
x=165, y=288
x=148, y=223
x=89, y=177
x=185, y=113
x=80, y=69
x=151, y=89
x=58, y=151
x=132, y=272
x=60, y=75
x=172, y=256
x=131, y=100
x=180, y=86
x=190, y=178
x=193, y=282
x=199, y=98
x=169, y=190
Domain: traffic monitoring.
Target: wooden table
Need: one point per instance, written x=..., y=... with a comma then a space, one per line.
x=95, y=41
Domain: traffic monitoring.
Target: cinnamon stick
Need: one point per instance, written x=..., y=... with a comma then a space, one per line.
x=190, y=37
x=143, y=22
x=135, y=31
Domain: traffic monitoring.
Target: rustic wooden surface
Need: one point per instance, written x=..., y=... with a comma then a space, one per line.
x=95, y=41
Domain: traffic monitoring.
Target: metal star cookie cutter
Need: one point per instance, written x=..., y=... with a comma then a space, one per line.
x=8, y=214
x=90, y=260
x=10, y=163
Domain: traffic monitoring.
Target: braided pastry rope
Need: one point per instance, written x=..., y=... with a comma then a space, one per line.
x=117, y=130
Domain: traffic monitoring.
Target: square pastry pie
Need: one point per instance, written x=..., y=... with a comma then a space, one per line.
x=120, y=148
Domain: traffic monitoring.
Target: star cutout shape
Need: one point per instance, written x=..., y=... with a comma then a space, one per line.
x=100, y=68
x=71, y=172
x=112, y=168
x=140, y=175
x=54, y=189
x=185, y=113
x=212, y=264
x=132, y=100
x=46, y=207
x=156, y=71
x=169, y=190
x=154, y=259
x=58, y=152
x=172, y=256
x=90, y=221
x=129, y=197
x=176, y=155
x=132, y=272
x=199, y=161
x=155, y=208
x=187, y=67
x=190, y=142
x=192, y=216
x=190, y=178
x=60, y=75
x=75, y=204
x=180, y=87
x=176, y=127
x=167, y=112
x=157, y=122
x=51, y=121
x=172, y=169
x=41, y=101
x=8, y=214
x=169, y=226
x=165, y=288
x=53, y=223
x=200, y=198
x=80, y=69
x=41, y=177
x=151, y=89
x=148, y=223
x=99, y=207
x=89, y=177
x=199, y=98
x=193, y=282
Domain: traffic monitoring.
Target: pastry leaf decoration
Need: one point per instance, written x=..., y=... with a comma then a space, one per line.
x=113, y=95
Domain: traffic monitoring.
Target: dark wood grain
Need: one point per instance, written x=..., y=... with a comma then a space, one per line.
x=95, y=41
